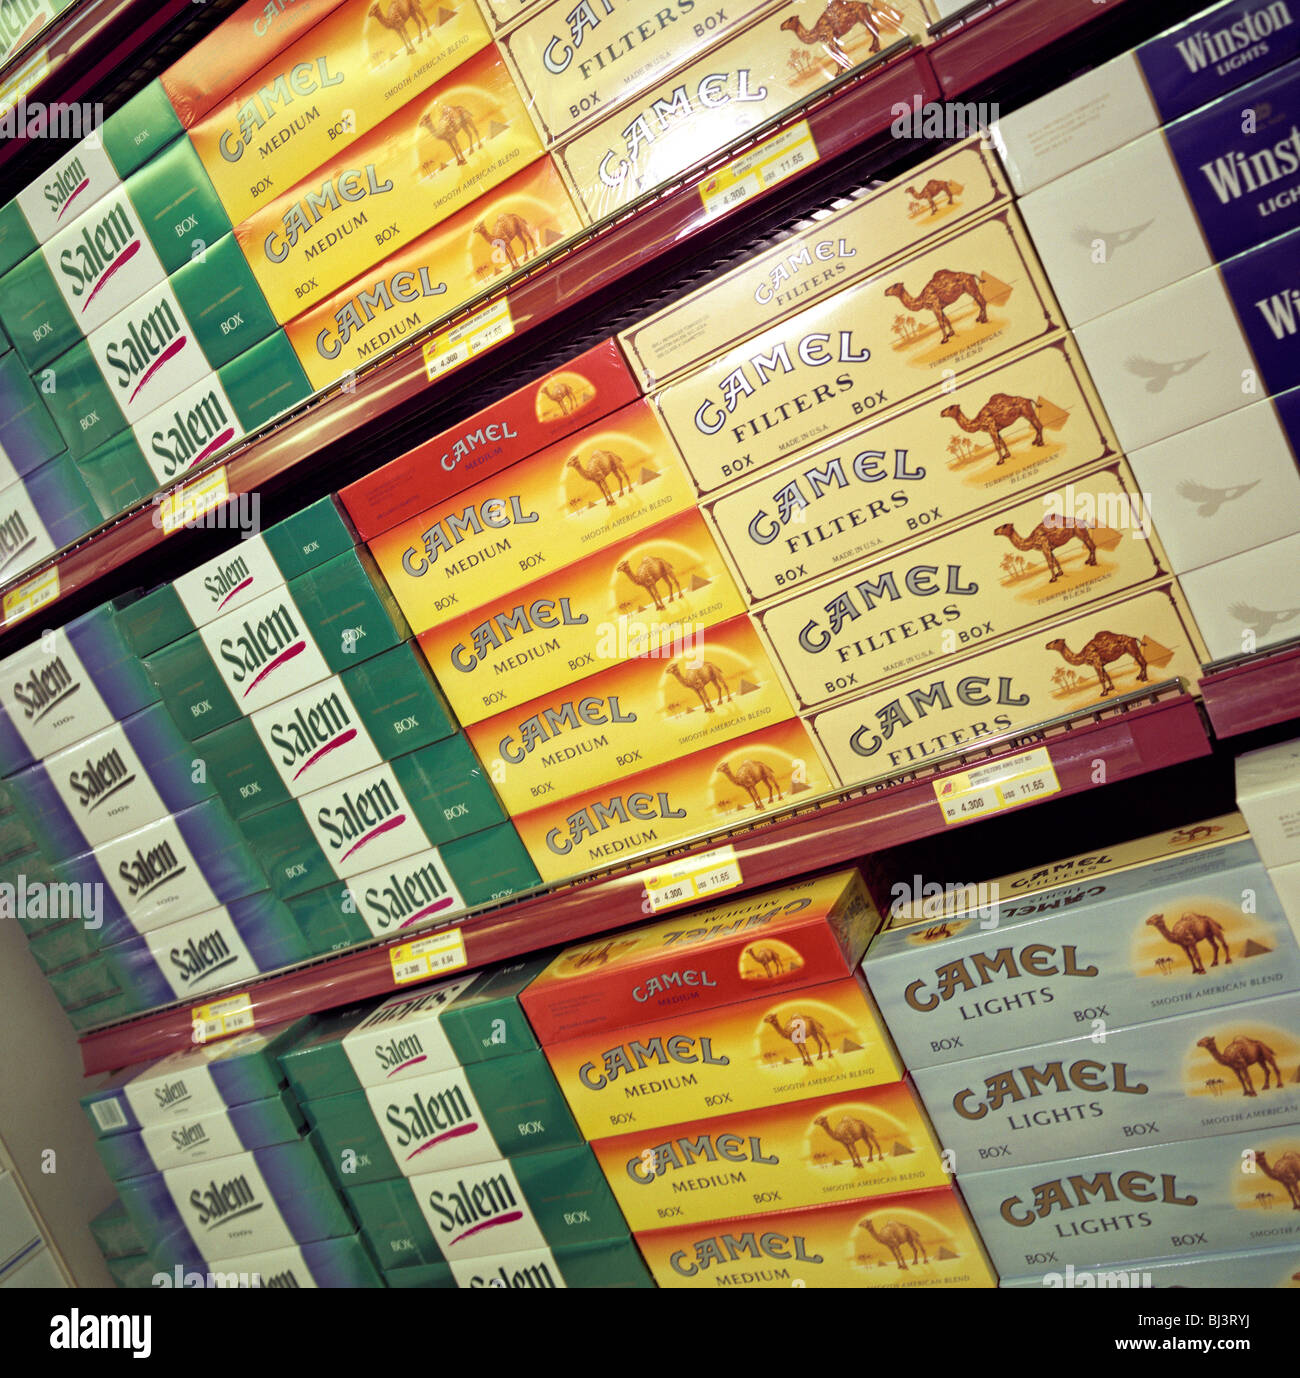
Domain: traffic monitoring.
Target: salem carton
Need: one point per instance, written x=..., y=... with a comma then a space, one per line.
x=49, y=508
x=570, y=500
x=897, y=335
x=339, y=1262
x=781, y=1047
x=804, y=933
x=916, y=1239
x=1268, y=793
x=1174, y=1079
x=613, y=1263
x=28, y=434
x=1243, y=604
x=114, y=1235
x=22, y=20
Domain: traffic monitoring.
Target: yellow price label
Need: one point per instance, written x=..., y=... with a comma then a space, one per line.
x=435, y=955
x=998, y=786
x=451, y=348
x=24, y=600
x=220, y=1019
x=190, y=501
x=765, y=165
x=693, y=878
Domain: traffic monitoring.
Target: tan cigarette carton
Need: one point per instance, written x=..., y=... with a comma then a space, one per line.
x=503, y=15
x=1076, y=543
x=1247, y=602
x=896, y=481
x=1086, y=659
x=902, y=333
x=821, y=257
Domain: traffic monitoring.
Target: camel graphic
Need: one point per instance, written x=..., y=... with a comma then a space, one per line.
x=801, y=1029
x=601, y=465
x=1102, y=650
x=769, y=959
x=932, y=190
x=749, y=775
x=944, y=288
x=1240, y=1055
x=562, y=395
x=1259, y=620
x=1047, y=540
x=896, y=1236
x=1209, y=500
x=1159, y=375
x=836, y=21
x=647, y=576
x=1286, y=1170
x=507, y=229
x=448, y=123
x=699, y=678
x=848, y=1131
x=395, y=14
x=1189, y=932
x=999, y=412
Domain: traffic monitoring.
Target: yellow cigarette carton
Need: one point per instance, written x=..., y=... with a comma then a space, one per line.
x=898, y=480
x=576, y=497
x=438, y=152
x=872, y=1141
x=1074, y=543
x=502, y=15
x=818, y=1041
x=661, y=586
x=904, y=332
x=644, y=713
x=823, y=256
x=1089, y=658
x=781, y=58
x=339, y=80
x=725, y=786
x=915, y=1239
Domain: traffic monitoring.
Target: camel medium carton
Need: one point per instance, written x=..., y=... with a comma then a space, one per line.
x=895, y=336
x=804, y=933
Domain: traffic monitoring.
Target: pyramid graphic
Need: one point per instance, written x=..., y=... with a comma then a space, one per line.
x=445, y=16
x=495, y=128
x=1052, y=416
x=747, y=687
x=551, y=236
x=847, y=1045
x=798, y=786
x=945, y=1252
x=994, y=291
x=1254, y=949
x=900, y=1149
x=647, y=475
x=1296, y=1078
x=698, y=582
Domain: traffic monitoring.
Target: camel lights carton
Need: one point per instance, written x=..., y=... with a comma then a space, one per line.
x=1142, y=638
x=831, y=253
x=901, y=333
x=439, y=152
x=1254, y=1268
x=870, y=1142
x=653, y=590
x=916, y=1239
x=781, y=57
x=591, y=490
x=821, y=1040
x=334, y=84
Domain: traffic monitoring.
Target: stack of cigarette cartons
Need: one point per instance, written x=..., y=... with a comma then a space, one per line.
x=1268, y=794
x=745, y=1102
x=1108, y=1049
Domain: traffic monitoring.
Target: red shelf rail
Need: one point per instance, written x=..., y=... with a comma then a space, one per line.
x=1245, y=694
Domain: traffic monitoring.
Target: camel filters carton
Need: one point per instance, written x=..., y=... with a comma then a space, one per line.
x=439, y=152
x=804, y=933
x=1191, y=932
x=778, y=59
x=916, y=1239
x=1204, y=1196
x=900, y=334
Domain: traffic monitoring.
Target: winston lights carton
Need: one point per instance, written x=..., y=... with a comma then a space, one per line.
x=1243, y=603
x=1268, y=793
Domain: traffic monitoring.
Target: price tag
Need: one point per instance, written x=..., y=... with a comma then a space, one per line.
x=35, y=593
x=425, y=957
x=997, y=786
x=764, y=166
x=189, y=502
x=462, y=342
x=220, y=1019
x=693, y=878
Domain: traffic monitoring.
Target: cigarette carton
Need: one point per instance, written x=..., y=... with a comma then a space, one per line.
x=1242, y=604
x=1268, y=793
x=659, y=583
x=1256, y=1268
x=488, y=1019
x=324, y=91
x=823, y=257
x=737, y=86
x=341, y=1262
x=21, y=24
x=871, y=1142
x=596, y=488
x=436, y=154
x=28, y=435
x=136, y=1271
x=502, y=15
x=30, y=885
x=724, y=786
x=1205, y=1196
x=644, y=713
x=48, y=509
x=435, y=274
x=805, y=933
x=892, y=482
x=612, y=1263
x=911, y=1240
x=1119, y=947
x=115, y=1236
x=1286, y=881
x=1142, y=638
x=247, y=1203
x=318, y=624
x=536, y=1201
x=978, y=296
x=1210, y=511
x=374, y=818
x=817, y=1041
x=425, y=888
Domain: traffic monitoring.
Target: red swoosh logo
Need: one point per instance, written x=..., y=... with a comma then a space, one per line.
x=170, y=352
x=224, y=438
x=374, y=833
x=507, y=1219
x=458, y=1133
x=275, y=665
x=426, y=911
x=410, y=1062
x=72, y=196
x=235, y=590
x=340, y=740
x=123, y=258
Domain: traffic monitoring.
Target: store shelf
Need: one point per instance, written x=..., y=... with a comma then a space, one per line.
x=1250, y=692
x=1143, y=732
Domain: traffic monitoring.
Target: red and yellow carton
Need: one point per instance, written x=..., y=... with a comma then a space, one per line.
x=574, y=395
x=433, y=276
x=726, y=786
x=569, y=500
x=782, y=1047
x=344, y=76
x=663, y=584
x=806, y=933
x=915, y=1239
x=442, y=150
x=872, y=1141
x=646, y=712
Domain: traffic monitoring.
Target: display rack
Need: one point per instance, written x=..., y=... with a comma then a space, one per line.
x=1246, y=693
